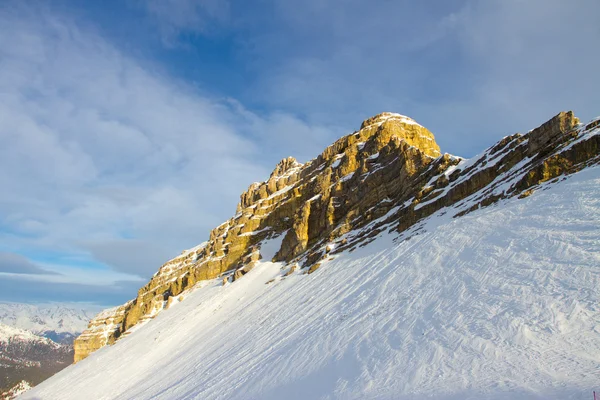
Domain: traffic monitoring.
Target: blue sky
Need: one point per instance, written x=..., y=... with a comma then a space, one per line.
x=128, y=129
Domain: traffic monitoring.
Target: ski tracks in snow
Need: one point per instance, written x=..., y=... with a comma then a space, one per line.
x=502, y=303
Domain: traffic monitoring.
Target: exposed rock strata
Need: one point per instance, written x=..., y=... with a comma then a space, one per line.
x=104, y=329
x=388, y=175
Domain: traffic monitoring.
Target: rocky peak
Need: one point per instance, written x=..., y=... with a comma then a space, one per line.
x=386, y=126
x=386, y=116
x=561, y=124
x=284, y=166
x=389, y=175
x=284, y=175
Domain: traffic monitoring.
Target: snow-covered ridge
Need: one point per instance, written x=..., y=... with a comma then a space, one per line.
x=42, y=318
x=493, y=158
x=499, y=304
x=186, y=257
x=265, y=209
x=10, y=333
x=357, y=188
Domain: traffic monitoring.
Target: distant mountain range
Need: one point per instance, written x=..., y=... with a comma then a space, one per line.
x=36, y=341
x=57, y=322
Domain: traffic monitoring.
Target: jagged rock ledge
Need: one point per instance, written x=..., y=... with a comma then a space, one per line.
x=388, y=175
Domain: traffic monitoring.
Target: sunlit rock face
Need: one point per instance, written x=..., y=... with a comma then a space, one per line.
x=390, y=171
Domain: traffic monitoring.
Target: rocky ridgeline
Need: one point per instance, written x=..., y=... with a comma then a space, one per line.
x=102, y=329
x=389, y=175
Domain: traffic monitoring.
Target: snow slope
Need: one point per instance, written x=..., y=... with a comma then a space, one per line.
x=503, y=303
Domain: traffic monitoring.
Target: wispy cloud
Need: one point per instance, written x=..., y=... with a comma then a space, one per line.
x=19, y=291
x=132, y=256
x=176, y=16
x=106, y=157
x=17, y=264
x=454, y=66
x=525, y=61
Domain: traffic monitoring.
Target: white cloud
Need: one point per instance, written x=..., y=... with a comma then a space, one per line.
x=106, y=155
x=101, y=151
x=175, y=16
x=455, y=66
x=11, y=263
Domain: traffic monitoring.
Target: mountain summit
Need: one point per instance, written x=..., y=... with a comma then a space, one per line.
x=415, y=285
x=390, y=173
x=313, y=202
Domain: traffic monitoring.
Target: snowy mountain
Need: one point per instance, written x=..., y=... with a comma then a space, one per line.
x=58, y=322
x=381, y=269
x=29, y=358
x=36, y=342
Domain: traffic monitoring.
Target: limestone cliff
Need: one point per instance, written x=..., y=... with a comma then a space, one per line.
x=388, y=175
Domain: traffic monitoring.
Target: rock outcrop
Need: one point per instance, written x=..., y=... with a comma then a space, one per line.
x=560, y=125
x=388, y=175
x=104, y=329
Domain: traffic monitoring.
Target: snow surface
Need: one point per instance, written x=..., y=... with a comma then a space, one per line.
x=270, y=247
x=194, y=249
x=503, y=303
x=337, y=160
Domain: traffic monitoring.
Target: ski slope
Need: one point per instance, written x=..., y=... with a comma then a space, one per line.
x=503, y=303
